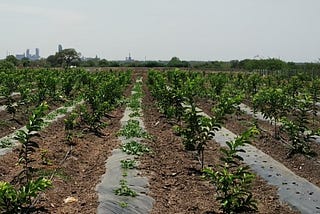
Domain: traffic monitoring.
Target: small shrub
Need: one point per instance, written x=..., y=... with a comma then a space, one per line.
x=233, y=181
x=125, y=190
x=135, y=148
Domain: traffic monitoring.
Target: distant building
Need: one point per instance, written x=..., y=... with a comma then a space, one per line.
x=129, y=58
x=37, y=53
x=29, y=56
x=60, y=48
x=20, y=56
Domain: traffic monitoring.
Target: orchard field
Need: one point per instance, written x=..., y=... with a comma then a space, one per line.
x=191, y=141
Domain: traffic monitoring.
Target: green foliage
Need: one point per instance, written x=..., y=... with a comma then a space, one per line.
x=135, y=148
x=18, y=199
x=128, y=164
x=123, y=204
x=69, y=125
x=169, y=96
x=102, y=93
x=233, y=181
x=67, y=57
x=299, y=134
x=27, y=145
x=11, y=106
x=5, y=143
x=208, y=127
x=44, y=157
x=262, y=64
x=273, y=104
x=193, y=127
x=227, y=103
x=133, y=129
x=314, y=89
x=125, y=190
x=14, y=200
x=12, y=59
x=6, y=65
x=135, y=114
x=134, y=104
x=176, y=62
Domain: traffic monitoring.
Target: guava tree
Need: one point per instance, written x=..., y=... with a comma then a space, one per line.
x=273, y=104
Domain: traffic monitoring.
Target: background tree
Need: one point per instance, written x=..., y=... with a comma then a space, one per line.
x=6, y=65
x=68, y=57
x=25, y=62
x=176, y=62
x=52, y=61
x=12, y=59
x=103, y=63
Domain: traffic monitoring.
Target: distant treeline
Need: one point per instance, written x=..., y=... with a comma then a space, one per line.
x=69, y=57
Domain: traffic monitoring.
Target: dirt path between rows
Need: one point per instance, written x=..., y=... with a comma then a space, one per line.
x=174, y=175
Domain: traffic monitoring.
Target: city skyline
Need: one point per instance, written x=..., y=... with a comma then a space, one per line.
x=28, y=55
x=204, y=30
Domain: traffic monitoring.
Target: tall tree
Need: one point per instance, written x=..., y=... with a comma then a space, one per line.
x=68, y=57
x=12, y=59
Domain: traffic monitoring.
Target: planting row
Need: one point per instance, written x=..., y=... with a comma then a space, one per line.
x=20, y=188
x=176, y=100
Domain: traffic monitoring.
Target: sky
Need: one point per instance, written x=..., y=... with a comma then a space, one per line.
x=158, y=30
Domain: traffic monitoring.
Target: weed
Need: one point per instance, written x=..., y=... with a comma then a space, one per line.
x=125, y=190
x=128, y=164
x=51, y=116
x=135, y=148
x=133, y=129
x=62, y=111
x=134, y=104
x=123, y=204
x=135, y=114
x=6, y=143
x=44, y=157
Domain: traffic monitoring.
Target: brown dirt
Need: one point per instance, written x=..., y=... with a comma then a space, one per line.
x=174, y=174
x=79, y=173
x=302, y=165
x=9, y=125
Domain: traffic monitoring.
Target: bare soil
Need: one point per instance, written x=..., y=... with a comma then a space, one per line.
x=174, y=174
x=175, y=177
x=302, y=165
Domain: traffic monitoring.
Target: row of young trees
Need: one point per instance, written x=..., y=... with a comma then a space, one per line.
x=175, y=93
x=291, y=101
x=100, y=92
x=70, y=56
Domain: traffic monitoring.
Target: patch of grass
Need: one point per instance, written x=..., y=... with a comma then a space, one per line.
x=135, y=148
x=123, y=204
x=135, y=114
x=46, y=173
x=134, y=104
x=133, y=129
x=62, y=111
x=4, y=123
x=128, y=164
x=125, y=190
x=45, y=124
x=6, y=143
x=51, y=116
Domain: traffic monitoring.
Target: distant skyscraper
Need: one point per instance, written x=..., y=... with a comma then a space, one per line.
x=28, y=53
x=37, y=53
x=30, y=56
x=129, y=58
x=59, y=48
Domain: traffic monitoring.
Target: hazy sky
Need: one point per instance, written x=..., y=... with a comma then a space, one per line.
x=161, y=29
